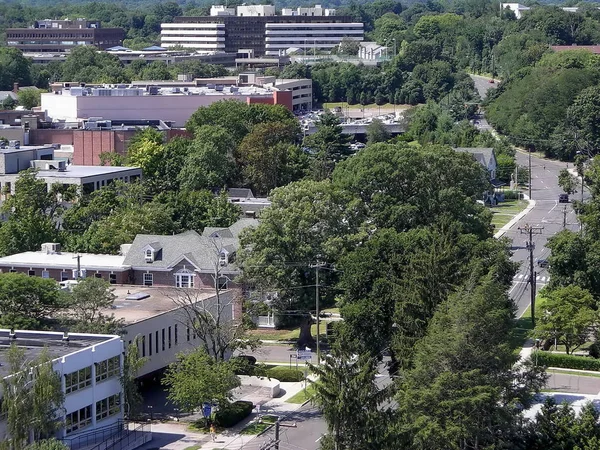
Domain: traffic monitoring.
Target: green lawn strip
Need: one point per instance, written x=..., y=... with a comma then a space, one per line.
x=573, y=372
x=505, y=211
x=286, y=335
x=302, y=396
x=332, y=310
x=193, y=447
x=257, y=426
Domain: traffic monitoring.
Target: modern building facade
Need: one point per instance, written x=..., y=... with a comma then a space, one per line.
x=60, y=36
x=90, y=368
x=258, y=31
x=15, y=158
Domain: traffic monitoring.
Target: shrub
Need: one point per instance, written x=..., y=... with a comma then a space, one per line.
x=243, y=364
x=512, y=195
x=233, y=414
x=566, y=361
x=285, y=374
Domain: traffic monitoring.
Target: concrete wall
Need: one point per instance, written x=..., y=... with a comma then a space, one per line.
x=270, y=383
x=50, y=136
x=175, y=319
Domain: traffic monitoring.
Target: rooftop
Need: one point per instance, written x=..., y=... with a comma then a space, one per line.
x=85, y=171
x=65, y=260
x=156, y=301
x=35, y=341
x=24, y=148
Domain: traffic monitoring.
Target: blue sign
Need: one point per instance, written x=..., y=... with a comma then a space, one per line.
x=304, y=355
x=206, y=409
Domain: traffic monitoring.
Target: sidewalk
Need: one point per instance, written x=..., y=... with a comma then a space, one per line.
x=515, y=219
x=177, y=436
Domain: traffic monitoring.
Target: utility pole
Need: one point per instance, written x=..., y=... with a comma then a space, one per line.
x=530, y=230
x=530, y=180
x=565, y=217
x=317, y=266
x=277, y=434
x=78, y=258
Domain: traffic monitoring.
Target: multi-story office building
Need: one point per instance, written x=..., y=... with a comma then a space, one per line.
x=60, y=36
x=90, y=368
x=256, y=30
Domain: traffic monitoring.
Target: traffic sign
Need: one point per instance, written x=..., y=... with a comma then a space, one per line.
x=304, y=355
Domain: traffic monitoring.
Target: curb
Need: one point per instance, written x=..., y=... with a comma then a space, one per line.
x=515, y=219
x=583, y=372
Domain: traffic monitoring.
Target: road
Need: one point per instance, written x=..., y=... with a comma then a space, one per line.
x=482, y=84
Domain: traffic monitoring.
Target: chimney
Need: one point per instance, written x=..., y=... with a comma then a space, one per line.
x=15, y=88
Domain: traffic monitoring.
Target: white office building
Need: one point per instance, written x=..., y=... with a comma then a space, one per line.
x=317, y=11
x=255, y=10
x=310, y=37
x=90, y=367
x=207, y=37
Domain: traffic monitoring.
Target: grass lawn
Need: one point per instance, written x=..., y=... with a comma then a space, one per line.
x=193, y=447
x=505, y=211
x=258, y=427
x=521, y=332
x=285, y=335
x=573, y=372
x=301, y=397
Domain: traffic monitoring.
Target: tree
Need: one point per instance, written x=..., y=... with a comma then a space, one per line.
x=585, y=115
x=14, y=68
x=32, y=397
x=209, y=162
x=570, y=316
x=505, y=167
x=33, y=212
x=351, y=401
x=268, y=157
x=132, y=363
x=28, y=98
x=567, y=182
x=377, y=132
x=348, y=46
x=87, y=300
x=196, y=378
x=28, y=302
x=327, y=145
x=146, y=150
x=463, y=391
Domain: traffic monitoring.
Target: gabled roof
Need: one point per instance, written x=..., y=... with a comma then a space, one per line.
x=239, y=193
x=483, y=155
x=199, y=251
x=233, y=232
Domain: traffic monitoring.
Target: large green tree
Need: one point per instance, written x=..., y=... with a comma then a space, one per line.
x=196, y=378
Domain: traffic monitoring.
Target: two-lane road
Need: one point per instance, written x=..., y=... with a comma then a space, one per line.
x=548, y=217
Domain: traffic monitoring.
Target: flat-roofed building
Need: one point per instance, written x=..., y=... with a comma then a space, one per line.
x=90, y=367
x=60, y=36
x=257, y=29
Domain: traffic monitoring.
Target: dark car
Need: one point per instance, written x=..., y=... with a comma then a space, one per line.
x=563, y=198
x=543, y=263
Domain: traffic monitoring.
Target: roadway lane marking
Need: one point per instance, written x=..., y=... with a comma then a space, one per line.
x=319, y=439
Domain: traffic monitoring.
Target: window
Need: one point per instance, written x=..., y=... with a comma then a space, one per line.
x=184, y=280
x=112, y=278
x=97, y=275
x=149, y=255
x=144, y=346
x=169, y=337
x=176, y=338
x=108, y=407
x=150, y=344
x=78, y=419
x=163, y=339
x=12, y=271
x=64, y=276
x=31, y=273
x=148, y=279
x=78, y=380
x=156, y=340
x=45, y=274
x=108, y=368
x=222, y=283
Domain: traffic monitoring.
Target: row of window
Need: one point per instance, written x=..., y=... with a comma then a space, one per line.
x=168, y=336
x=182, y=280
x=64, y=276
x=82, y=378
x=82, y=418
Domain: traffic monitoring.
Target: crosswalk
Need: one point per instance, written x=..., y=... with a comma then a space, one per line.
x=525, y=277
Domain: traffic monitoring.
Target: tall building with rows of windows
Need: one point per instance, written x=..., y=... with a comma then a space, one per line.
x=256, y=30
x=90, y=368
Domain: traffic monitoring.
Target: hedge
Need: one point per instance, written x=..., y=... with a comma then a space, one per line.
x=565, y=361
x=285, y=374
x=233, y=414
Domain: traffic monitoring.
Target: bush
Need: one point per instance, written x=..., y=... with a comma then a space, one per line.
x=566, y=361
x=233, y=414
x=512, y=195
x=243, y=364
x=285, y=374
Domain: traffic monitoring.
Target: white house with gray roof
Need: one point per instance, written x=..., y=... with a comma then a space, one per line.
x=484, y=156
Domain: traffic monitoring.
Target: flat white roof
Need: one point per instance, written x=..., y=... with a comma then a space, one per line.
x=87, y=171
x=64, y=260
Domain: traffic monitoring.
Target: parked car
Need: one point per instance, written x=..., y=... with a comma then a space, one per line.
x=563, y=198
x=543, y=263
